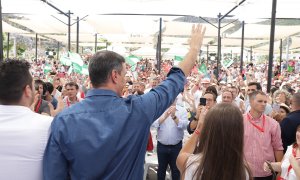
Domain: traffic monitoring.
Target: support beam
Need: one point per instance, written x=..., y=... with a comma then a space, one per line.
x=240, y=3
x=7, y=56
x=1, y=32
x=251, y=56
x=280, y=56
x=159, y=46
x=242, y=47
x=219, y=45
x=69, y=30
x=207, y=53
x=77, y=36
x=272, y=34
x=96, y=42
x=58, y=50
x=36, y=46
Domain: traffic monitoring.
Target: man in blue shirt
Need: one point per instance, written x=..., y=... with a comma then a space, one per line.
x=105, y=136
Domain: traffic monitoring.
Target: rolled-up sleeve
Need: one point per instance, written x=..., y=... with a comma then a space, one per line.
x=183, y=120
x=156, y=101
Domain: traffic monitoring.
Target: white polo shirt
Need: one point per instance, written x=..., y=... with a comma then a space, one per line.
x=23, y=139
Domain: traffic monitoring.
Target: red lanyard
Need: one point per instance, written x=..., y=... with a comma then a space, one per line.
x=38, y=106
x=68, y=102
x=261, y=129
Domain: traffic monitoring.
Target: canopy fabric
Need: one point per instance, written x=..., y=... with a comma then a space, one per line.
x=141, y=30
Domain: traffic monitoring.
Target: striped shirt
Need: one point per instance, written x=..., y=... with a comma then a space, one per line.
x=260, y=142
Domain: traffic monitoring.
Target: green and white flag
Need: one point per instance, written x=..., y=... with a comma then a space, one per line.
x=85, y=70
x=178, y=58
x=65, y=60
x=76, y=59
x=132, y=61
x=47, y=68
x=226, y=62
x=70, y=70
x=202, y=69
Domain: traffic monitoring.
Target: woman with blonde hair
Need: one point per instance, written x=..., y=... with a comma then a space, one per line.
x=215, y=150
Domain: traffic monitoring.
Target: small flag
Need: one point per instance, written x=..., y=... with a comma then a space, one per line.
x=178, y=58
x=47, y=68
x=202, y=69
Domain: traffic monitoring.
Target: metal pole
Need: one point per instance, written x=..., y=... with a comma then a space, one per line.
x=280, y=56
x=219, y=45
x=95, y=42
x=251, y=53
x=36, y=45
x=69, y=30
x=7, y=56
x=242, y=47
x=159, y=45
x=57, y=50
x=272, y=34
x=287, y=51
x=77, y=36
x=207, y=53
x=1, y=32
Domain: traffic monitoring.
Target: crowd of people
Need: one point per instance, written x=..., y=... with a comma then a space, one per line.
x=65, y=125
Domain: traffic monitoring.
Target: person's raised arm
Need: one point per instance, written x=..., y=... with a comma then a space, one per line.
x=195, y=45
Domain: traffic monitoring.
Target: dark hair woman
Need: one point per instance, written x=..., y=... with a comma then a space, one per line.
x=219, y=154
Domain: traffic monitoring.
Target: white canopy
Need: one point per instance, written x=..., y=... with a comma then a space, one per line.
x=142, y=30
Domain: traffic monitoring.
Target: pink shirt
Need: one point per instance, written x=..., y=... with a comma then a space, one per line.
x=260, y=146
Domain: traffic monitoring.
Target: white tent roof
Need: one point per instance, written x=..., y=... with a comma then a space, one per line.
x=145, y=52
x=139, y=31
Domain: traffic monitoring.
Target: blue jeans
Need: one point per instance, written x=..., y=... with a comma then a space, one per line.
x=167, y=155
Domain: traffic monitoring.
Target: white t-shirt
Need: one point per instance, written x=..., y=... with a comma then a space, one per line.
x=285, y=165
x=23, y=139
x=192, y=167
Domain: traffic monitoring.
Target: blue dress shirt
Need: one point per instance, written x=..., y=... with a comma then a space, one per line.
x=105, y=136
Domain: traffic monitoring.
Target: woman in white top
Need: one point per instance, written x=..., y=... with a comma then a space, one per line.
x=219, y=154
x=289, y=167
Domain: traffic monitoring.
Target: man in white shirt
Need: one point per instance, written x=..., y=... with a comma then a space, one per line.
x=23, y=133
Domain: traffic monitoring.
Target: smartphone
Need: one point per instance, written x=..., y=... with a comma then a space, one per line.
x=202, y=102
x=276, y=107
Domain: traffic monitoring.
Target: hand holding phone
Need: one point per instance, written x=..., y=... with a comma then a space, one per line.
x=202, y=102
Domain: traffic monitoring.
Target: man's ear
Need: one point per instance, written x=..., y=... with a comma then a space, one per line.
x=114, y=76
x=27, y=91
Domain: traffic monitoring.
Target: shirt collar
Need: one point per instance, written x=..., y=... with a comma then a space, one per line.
x=255, y=119
x=101, y=92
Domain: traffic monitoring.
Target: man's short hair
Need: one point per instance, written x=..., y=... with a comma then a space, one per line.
x=213, y=94
x=258, y=86
x=49, y=87
x=296, y=98
x=255, y=93
x=102, y=64
x=14, y=77
x=72, y=84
